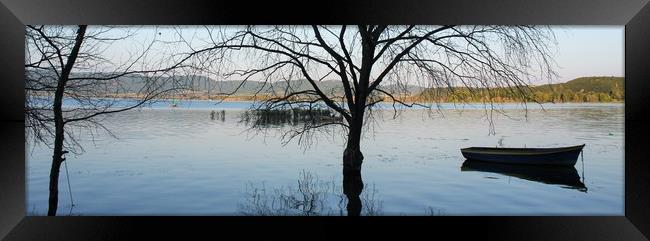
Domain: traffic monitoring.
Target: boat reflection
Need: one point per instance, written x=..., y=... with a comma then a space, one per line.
x=566, y=177
x=312, y=197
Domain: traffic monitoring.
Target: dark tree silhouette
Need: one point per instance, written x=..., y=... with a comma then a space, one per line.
x=65, y=63
x=375, y=63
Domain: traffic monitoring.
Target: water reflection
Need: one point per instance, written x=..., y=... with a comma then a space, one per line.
x=312, y=197
x=154, y=145
x=566, y=177
x=352, y=188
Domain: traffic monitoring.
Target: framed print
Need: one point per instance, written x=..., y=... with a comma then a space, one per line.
x=506, y=120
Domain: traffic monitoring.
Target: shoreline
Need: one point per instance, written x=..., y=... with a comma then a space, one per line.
x=260, y=99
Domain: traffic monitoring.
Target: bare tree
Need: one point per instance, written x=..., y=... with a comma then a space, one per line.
x=69, y=64
x=374, y=64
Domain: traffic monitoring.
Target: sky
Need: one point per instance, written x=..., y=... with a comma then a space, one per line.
x=590, y=51
x=581, y=50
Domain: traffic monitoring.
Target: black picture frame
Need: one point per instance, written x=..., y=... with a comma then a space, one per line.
x=634, y=14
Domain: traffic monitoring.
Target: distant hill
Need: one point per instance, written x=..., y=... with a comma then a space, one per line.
x=205, y=85
x=211, y=86
x=584, y=89
x=613, y=85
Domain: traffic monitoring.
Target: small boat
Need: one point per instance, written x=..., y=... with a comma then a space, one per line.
x=561, y=156
x=566, y=177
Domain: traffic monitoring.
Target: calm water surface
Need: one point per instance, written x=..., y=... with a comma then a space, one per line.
x=179, y=161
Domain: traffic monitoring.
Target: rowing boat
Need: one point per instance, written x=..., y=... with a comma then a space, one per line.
x=560, y=156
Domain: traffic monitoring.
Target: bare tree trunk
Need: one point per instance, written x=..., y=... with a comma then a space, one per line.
x=59, y=123
x=57, y=157
x=352, y=156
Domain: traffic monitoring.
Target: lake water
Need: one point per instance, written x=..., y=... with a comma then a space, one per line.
x=179, y=161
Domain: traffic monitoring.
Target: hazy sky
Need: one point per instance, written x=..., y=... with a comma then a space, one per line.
x=581, y=50
x=590, y=51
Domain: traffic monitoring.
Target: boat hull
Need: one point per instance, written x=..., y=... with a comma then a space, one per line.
x=565, y=156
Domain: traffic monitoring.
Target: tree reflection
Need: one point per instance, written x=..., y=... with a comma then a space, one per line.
x=312, y=197
x=352, y=188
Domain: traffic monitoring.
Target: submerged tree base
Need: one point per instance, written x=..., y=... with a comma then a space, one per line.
x=352, y=160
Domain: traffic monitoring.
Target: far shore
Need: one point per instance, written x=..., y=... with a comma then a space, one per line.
x=253, y=98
